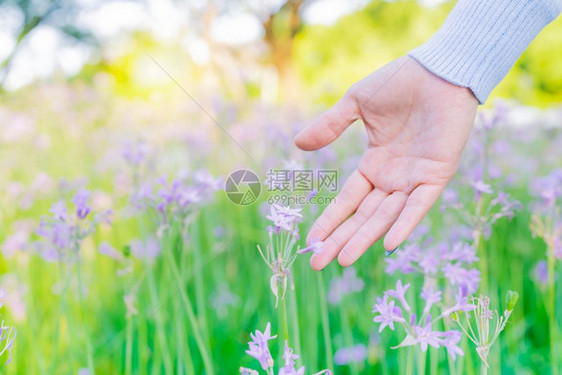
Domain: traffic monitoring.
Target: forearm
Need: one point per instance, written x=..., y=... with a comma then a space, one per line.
x=481, y=40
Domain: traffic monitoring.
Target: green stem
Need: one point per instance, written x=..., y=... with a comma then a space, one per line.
x=433, y=362
x=59, y=317
x=348, y=335
x=183, y=351
x=483, y=369
x=129, y=347
x=295, y=321
x=421, y=358
x=285, y=320
x=81, y=300
x=325, y=322
x=199, y=245
x=410, y=362
x=552, y=294
x=552, y=313
x=190, y=314
x=164, y=352
x=33, y=319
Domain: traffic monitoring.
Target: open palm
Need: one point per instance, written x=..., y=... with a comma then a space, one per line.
x=417, y=125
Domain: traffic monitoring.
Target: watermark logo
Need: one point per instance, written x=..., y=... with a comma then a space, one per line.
x=284, y=186
x=301, y=186
x=302, y=180
x=242, y=187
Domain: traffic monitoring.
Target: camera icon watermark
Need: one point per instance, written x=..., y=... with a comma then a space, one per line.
x=242, y=187
x=285, y=186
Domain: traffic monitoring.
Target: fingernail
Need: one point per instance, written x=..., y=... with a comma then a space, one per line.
x=387, y=253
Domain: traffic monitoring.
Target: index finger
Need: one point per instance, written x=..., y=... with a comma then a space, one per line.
x=355, y=189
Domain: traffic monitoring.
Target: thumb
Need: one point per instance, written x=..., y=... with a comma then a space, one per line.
x=328, y=126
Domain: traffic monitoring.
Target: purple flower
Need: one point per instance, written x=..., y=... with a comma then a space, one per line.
x=549, y=188
x=461, y=276
x=110, y=251
x=134, y=153
x=425, y=336
x=316, y=247
x=508, y=207
x=354, y=354
x=59, y=211
x=449, y=198
x=207, y=180
x=402, y=260
x=248, y=371
x=494, y=172
x=188, y=196
x=399, y=292
x=541, y=272
x=15, y=242
x=461, y=303
x=346, y=284
x=462, y=252
x=148, y=249
x=497, y=115
x=259, y=348
x=430, y=261
x=80, y=200
x=284, y=218
x=431, y=297
x=169, y=193
x=59, y=234
x=290, y=357
x=557, y=248
x=388, y=313
x=461, y=299
x=501, y=199
x=449, y=340
x=481, y=188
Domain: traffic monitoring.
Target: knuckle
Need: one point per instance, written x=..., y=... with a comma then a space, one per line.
x=352, y=90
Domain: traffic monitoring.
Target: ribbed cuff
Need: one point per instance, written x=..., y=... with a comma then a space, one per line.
x=481, y=40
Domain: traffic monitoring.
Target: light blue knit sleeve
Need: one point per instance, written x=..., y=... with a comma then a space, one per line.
x=481, y=40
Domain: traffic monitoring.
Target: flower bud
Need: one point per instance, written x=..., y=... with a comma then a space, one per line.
x=511, y=298
x=454, y=316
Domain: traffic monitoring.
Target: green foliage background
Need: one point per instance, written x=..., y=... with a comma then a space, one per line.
x=330, y=58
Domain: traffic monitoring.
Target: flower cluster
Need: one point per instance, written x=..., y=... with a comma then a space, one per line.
x=488, y=145
x=393, y=308
x=259, y=349
x=176, y=198
x=546, y=222
x=62, y=232
x=438, y=260
x=280, y=252
x=486, y=211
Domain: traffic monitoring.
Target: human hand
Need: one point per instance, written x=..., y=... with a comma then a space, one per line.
x=417, y=126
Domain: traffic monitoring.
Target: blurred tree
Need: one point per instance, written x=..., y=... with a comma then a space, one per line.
x=281, y=28
x=281, y=22
x=60, y=14
x=328, y=59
